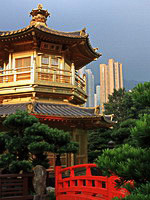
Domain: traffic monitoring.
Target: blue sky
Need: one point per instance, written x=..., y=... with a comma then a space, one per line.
x=119, y=28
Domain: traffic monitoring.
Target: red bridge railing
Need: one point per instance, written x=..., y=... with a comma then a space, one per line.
x=82, y=182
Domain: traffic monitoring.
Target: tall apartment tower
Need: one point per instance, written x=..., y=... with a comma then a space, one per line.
x=110, y=78
x=89, y=88
x=97, y=96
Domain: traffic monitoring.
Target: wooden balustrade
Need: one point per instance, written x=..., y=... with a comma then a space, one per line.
x=49, y=74
x=17, y=74
x=54, y=74
x=16, y=186
x=79, y=82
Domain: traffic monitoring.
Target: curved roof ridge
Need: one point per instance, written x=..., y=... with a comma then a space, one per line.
x=3, y=33
x=61, y=31
x=74, y=34
x=93, y=49
x=78, y=34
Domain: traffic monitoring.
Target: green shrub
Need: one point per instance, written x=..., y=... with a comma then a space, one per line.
x=140, y=193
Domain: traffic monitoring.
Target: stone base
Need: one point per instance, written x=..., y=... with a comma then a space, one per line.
x=41, y=197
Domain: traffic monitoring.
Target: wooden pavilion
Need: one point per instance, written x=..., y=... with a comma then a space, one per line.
x=38, y=73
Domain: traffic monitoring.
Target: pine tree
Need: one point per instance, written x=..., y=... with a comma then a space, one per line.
x=130, y=159
x=26, y=142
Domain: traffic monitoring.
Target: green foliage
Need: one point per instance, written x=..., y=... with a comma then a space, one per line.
x=141, y=132
x=131, y=162
x=98, y=140
x=27, y=141
x=62, y=142
x=127, y=162
x=140, y=193
x=23, y=165
x=141, y=95
x=2, y=143
x=118, y=104
x=125, y=105
x=60, y=137
x=37, y=129
x=19, y=120
x=52, y=195
x=40, y=147
x=5, y=160
x=41, y=159
x=121, y=133
x=130, y=159
x=71, y=147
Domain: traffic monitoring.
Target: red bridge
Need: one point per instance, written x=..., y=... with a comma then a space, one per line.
x=83, y=182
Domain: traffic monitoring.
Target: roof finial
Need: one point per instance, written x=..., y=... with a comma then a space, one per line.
x=40, y=6
x=83, y=32
x=39, y=16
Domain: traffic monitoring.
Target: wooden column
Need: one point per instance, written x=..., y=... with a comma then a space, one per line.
x=33, y=66
x=10, y=60
x=84, y=78
x=80, y=136
x=73, y=74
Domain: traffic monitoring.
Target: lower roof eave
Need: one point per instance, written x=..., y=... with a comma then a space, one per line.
x=95, y=121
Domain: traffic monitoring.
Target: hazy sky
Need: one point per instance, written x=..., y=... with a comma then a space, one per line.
x=119, y=28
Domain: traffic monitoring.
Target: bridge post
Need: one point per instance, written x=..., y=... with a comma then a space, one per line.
x=58, y=177
x=109, y=188
x=112, y=190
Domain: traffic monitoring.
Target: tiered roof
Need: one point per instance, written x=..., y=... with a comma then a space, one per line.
x=76, y=42
x=88, y=117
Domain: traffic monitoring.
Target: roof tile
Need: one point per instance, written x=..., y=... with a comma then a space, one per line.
x=65, y=110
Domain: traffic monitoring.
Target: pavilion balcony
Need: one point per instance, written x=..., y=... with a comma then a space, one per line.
x=53, y=75
x=43, y=75
x=60, y=77
x=8, y=76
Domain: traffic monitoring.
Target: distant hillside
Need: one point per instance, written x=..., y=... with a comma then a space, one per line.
x=130, y=84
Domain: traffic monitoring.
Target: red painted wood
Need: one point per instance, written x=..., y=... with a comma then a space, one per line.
x=47, y=117
x=85, y=186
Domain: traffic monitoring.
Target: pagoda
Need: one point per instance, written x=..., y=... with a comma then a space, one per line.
x=38, y=73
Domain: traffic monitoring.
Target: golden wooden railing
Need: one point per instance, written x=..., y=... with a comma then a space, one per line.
x=79, y=82
x=17, y=74
x=42, y=73
x=53, y=74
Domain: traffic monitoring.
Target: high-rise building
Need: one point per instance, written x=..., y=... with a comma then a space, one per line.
x=95, y=100
x=89, y=85
x=110, y=78
x=89, y=88
x=97, y=96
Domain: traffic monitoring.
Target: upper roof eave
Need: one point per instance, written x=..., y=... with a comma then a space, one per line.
x=44, y=29
x=92, y=49
x=14, y=32
x=75, y=34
